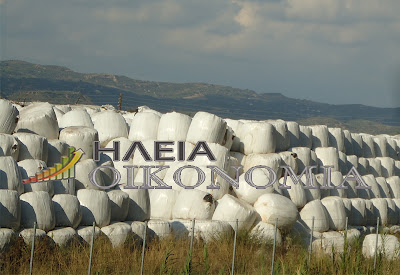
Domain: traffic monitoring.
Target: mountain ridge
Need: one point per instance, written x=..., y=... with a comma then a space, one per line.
x=24, y=81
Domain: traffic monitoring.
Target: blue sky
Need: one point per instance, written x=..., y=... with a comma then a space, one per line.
x=333, y=51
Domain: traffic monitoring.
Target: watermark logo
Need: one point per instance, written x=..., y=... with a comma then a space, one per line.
x=63, y=170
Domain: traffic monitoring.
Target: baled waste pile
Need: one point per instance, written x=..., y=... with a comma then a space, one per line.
x=37, y=136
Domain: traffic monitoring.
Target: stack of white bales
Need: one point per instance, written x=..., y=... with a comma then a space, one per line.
x=38, y=135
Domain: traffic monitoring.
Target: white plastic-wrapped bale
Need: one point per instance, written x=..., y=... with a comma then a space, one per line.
x=95, y=207
x=7, y=238
x=110, y=125
x=119, y=205
x=85, y=233
x=282, y=139
x=206, y=127
x=82, y=170
x=10, y=177
x=296, y=192
x=313, y=193
x=272, y=161
x=337, y=180
x=63, y=236
x=383, y=187
x=138, y=230
x=370, y=215
x=27, y=234
x=380, y=146
x=59, y=114
x=10, y=209
x=347, y=206
x=392, y=148
x=265, y=233
x=320, y=136
x=32, y=146
x=230, y=208
x=221, y=154
x=305, y=136
x=209, y=230
x=106, y=173
x=38, y=118
x=124, y=144
x=387, y=166
x=249, y=193
x=144, y=126
x=273, y=206
x=331, y=242
x=336, y=138
x=327, y=156
x=139, y=204
x=393, y=213
x=351, y=191
x=159, y=228
x=118, y=233
x=343, y=163
x=397, y=168
x=370, y=180
x=348, y=146
x=294, y=133
x=9, y=146
x=317, y=210
x=75, y=118
x=394, y=186
x=368, y=146
x=363, y=166
x=357, y=142
x=374, y=167
x=351, y=160
x=56, y=149
x=289, y=159
x=67, y=210
x=236, y=159
x=81, y=138
x=173, y=126
x=37, y=207
x=257, y=138
x=162, y=202
x=381, y=210
x=388, y=246
x=65, y=186
x=320, y=182
x=358, y=212
x=8, y=117
x=235, y=126
x=336, y=212
x=303, y=156
x=63, y=108
x=29, y=168
x=192, y=204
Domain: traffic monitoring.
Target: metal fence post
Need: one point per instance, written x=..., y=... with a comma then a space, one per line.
x=345, y=235
x=234, y=247
x=91, y=248
x=143, y=248
x=191, y=246
x=273, y=249
x=311, y=240
x=32, y=249
x=376, y=242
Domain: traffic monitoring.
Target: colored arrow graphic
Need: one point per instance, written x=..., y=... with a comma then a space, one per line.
x=61, y=171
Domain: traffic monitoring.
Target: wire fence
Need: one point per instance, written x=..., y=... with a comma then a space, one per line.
x=143, y=232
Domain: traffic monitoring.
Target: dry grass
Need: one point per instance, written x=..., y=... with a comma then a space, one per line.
x=169, y=256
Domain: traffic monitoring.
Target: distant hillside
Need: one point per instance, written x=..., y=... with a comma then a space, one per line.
x=355, y=126
x=23, y=81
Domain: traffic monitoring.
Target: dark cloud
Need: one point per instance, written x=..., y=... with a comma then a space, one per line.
x=338, y=55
